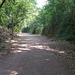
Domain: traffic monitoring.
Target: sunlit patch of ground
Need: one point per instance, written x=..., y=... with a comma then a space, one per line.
x=22, y=44
x=39, y=45
x=28, y=44
x=14, y=73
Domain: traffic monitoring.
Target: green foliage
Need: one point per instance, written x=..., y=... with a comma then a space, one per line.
x=56, y=19
x=17, y=10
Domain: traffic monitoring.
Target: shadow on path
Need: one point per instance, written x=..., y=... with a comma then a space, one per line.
x=32, y=55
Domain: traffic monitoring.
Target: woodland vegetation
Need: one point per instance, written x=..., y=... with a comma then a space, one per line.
x=13, y=14
x=15, y=11
x=56, y=19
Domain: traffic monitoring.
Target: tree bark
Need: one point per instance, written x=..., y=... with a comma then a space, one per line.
x=2, y=3
x=12, y=29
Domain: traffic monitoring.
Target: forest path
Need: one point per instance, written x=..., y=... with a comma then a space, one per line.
x=32, y=55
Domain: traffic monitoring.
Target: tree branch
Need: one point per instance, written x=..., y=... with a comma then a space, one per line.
x=2, y=3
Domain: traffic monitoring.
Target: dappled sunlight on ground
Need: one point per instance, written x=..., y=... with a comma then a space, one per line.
x=27, y=44
x=33, y=55
x=14, y=73
x=25, y=34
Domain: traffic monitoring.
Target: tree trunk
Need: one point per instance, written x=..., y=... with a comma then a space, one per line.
x=12, y=29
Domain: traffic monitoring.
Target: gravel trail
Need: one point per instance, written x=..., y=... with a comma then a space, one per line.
x=32, y=55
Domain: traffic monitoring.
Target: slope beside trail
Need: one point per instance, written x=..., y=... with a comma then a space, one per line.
x=32, y=55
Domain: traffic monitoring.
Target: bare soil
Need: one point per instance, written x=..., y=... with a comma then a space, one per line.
x=37, y=55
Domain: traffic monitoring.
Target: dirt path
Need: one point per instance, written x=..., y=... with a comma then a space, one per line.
x=32, y=55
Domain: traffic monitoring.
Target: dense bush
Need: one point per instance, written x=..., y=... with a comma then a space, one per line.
x=56, y=19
